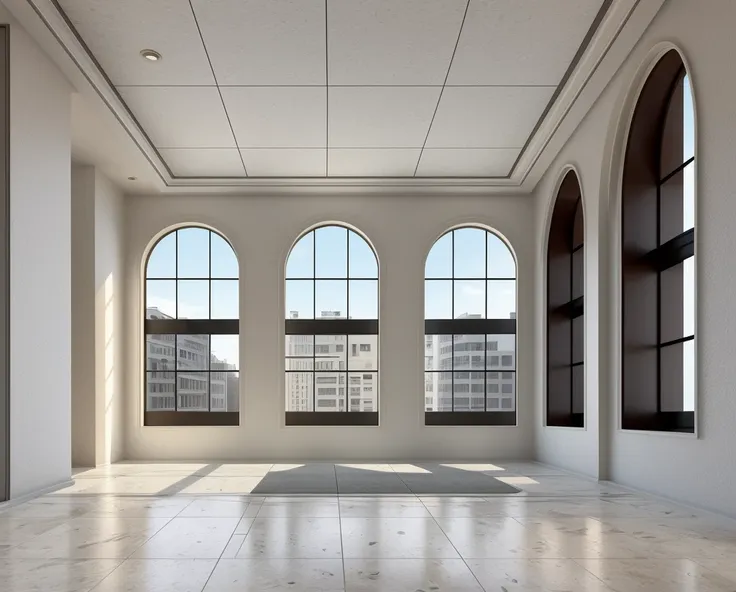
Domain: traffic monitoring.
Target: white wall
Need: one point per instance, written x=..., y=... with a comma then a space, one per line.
x=40, y=290
x=97, y=262
x=698, y=470
x=262, y=230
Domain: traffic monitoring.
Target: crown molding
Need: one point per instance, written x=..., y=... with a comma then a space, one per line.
x=616, y=17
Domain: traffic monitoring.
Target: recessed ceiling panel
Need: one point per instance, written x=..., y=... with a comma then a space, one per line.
x=180, y=116
x=271, y=117
x=385, y=42
x=264, y=42
x=367, y=162
x=487, y=117
x=466, y=162
x=117, y=30
x=204, y=162
x=526, y=42
x=289, y=162
x=380, y=117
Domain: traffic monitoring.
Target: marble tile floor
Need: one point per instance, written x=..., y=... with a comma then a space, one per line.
x=157, y=527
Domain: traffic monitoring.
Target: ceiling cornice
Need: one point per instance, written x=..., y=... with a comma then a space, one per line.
x=599, y=41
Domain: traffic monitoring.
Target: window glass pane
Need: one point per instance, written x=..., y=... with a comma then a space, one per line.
x=331, y=299
x=224, y=262
x=363, y=391
x=501, y=299
x=331, y=244
x=439, y=259
x=162, y=261
x=193, y=299
x=301, y=259
x=688, y=144
x=161, y=299
x=299, y=299
x=677, y=308
x=224, y=353
x=468, y=387
x=470, y=299
x=504, y=357
x=470, y=253
x=224, y=391
x=299, y=352
x=469, y=352
x=192, y=352
x=192, y=391
x=329, y=351
x=578, y=389
x=500, y=260
x=363, y=299
x=578, y=339
x=678, y=377
x=160, y=391
x=677, y=204
x=299, y=391
x=194, y=252
x=363, y=263
x=438, y=352
x=438, y=299
x=160, y=351
x=330, y=391
x=362, y=352
x=224, y=299
x=578, y=273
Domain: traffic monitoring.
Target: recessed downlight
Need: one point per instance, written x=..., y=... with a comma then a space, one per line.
x=132, y=178
x=151, y=55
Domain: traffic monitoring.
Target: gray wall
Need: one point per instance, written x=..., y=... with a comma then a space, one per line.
x=262, y=230
x=695, y=469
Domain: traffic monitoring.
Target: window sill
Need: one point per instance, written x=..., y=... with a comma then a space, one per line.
x=470, y=418
x=191, y=418
x=332, y=418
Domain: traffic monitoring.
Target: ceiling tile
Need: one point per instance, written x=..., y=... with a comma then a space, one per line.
x=277, y=117
x=180, y=116
x=524, y=42
x=381, y=117
x=487, y=117
x=264, y=42
x=285, y=162
x=203, y=162
x=366, y=162
x=375, y=42
x=466, y=162
x=116, y=31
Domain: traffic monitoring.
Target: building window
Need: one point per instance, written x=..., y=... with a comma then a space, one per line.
x=658, y=255
x=331, y=310
x=191, y=330
x=470, y=306
x=565, y=308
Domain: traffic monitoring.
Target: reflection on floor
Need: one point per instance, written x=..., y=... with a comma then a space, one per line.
x=194, y=527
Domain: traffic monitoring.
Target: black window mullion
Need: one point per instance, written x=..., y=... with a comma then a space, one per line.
x=176, y=372
x=659, y=287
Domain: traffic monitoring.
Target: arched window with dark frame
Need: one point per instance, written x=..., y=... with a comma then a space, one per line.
x=470, y=330
x=658, y=255
x=331, y=329
x=565, y=308
x=192, y=372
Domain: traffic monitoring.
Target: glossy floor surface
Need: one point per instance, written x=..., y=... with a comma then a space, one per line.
x=194, y=527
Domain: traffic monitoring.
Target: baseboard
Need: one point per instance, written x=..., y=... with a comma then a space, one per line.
x=16, y=501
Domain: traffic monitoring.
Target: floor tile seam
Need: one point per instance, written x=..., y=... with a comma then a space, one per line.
x=232, y=534
x=342, y=544
x=98, y=584
x=409, y=489
x=168, y=521
x=442, y=530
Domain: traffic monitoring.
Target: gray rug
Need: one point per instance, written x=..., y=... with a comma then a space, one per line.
x=424, y=479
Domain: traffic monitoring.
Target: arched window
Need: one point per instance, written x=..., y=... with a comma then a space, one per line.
x=470, y=330
x=191, y=330
x=331, y=329
x=658, y=255
x=565, y=320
